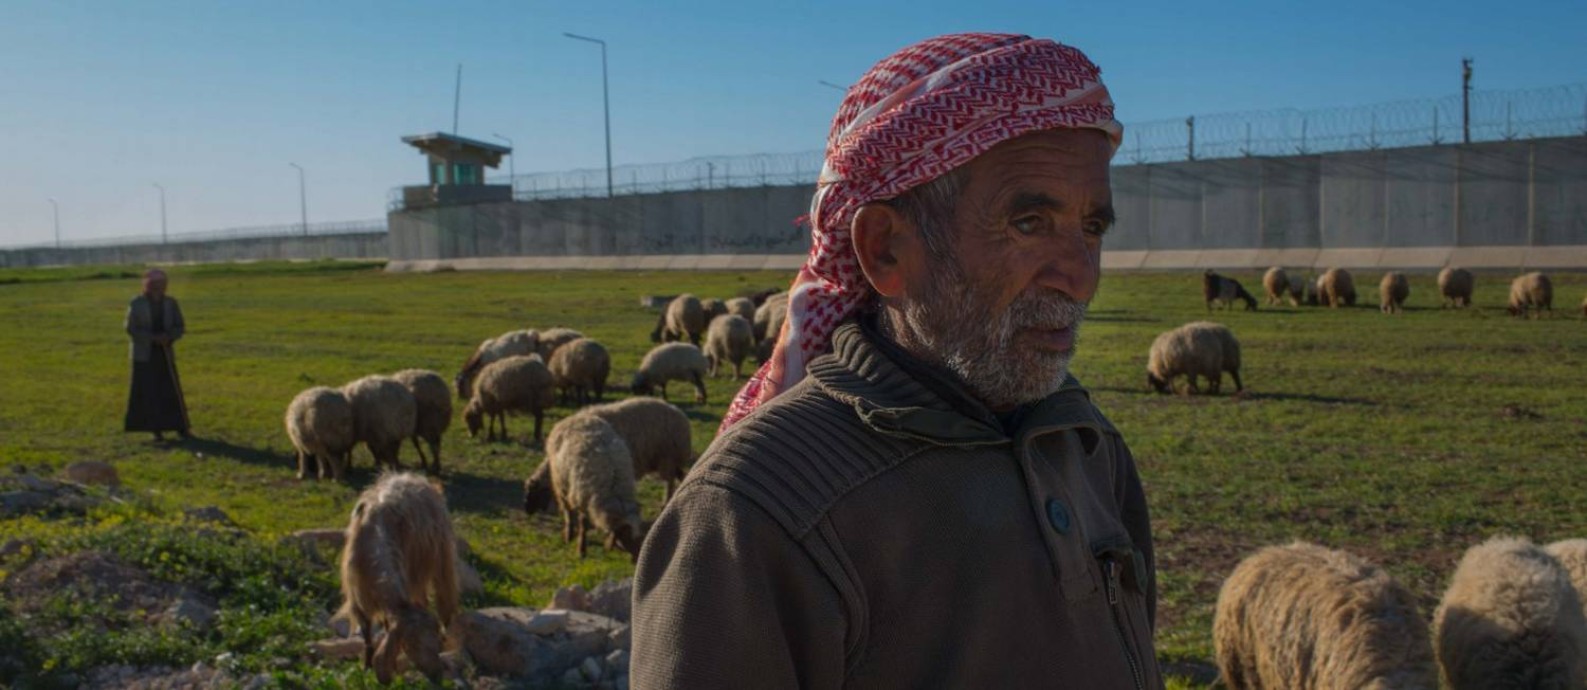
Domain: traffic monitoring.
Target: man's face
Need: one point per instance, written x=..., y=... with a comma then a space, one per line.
x=154, y=286
x=1004, y=310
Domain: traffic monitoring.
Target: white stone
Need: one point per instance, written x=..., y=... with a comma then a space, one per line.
x=547, y=622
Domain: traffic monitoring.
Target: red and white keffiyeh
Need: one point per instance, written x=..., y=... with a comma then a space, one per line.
x=916, y=115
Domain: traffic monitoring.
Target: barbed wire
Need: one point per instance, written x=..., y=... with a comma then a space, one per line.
x=347, y=227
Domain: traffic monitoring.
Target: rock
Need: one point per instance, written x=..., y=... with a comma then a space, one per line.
x=572, y=679
x=209, y=514
x=501, y=642
x=92, y=472
x=617, y=660
x=341, y=626
x=468, y=581
x=591, y=669
x=191, y=610
x=613, y=599
x=14, y=503
x=32, y=483
x=620, y=638
x=571, y=598
x=338, y=648
x=547, y=622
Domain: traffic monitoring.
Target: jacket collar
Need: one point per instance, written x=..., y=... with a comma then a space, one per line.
x=897, y=395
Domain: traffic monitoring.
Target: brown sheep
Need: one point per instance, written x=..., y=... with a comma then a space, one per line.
x=592, y=478
x=580, y=368
x=1276, y=283
x=684, y=316
x=1392, y=291
x=554, y=338
x=400, y=552
x=319, y=422
x=384, y=415
x=514, y=384
x=434, y=413
x=1455, y=285
x=1530, y=294
x=1336, y=287
x=659, y=440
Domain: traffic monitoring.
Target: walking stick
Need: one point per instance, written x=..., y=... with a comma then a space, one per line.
x=181, y=399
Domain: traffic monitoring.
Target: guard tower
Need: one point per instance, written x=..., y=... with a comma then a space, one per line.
x=457, y=171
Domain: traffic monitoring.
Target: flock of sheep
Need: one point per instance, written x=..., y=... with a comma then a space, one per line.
x=1304, y=616
x=400, y=549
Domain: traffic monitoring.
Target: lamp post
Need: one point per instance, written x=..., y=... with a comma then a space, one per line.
x=57, y=222
x=606, y=100
x=162, y=211
x=303, y=199
x=512, y=167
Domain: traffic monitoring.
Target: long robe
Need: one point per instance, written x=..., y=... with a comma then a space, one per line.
x=155, y=402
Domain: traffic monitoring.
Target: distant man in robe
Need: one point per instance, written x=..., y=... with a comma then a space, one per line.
x=154, y=323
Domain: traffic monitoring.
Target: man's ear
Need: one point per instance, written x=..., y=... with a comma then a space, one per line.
x=887, y=247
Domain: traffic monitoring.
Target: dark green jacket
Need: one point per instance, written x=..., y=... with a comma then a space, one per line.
x=865, y=531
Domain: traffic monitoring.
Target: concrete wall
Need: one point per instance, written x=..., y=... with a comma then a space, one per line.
x=368, y=245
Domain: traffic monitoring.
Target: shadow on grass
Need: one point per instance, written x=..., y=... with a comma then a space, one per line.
x=1298, y=397
x=220, y=448
x=472, y=493
x=1197, y=671
x=1096, y=318
x=699, y=415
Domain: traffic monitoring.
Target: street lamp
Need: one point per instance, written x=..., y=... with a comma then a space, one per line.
x=606, y=99
x=303, y=199
x=829, y=84
x=57, y=222
x=512, y=167
x=162, y=211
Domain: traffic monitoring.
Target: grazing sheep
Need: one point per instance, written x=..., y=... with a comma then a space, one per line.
x=1303, y=616
x=515, y=384
x=1200, y=348
x=659, y=440
x=713, y=308
x=592, y=478
x=1392, y=291
x=742, y=306
x=763, y=296
x=1510, y=619
x=508, y=344
x=1276, y=283
x=434, y=413
x=1455, y=285
x=769, y=317
x=1224, y=291
x=320, y=423
x=581, y=367
x=1530, y=294
x=1572, y=553
x=684, y=316
x=384, y=415
x=400, y=551
x=553, y=338
x=729, y=339
x=671, y=362
x=764, y=350
x=1336, y=287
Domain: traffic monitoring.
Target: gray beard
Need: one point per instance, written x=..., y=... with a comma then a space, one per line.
x=954, y=327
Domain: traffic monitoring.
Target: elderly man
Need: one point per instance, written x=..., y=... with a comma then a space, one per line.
x=914, y=492
x=154, y=322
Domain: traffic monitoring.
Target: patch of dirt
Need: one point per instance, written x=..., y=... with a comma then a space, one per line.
x=97, y=577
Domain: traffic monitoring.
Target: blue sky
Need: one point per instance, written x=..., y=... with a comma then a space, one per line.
x=99, y=101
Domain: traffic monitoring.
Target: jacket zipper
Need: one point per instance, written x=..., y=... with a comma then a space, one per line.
x=1112, y=568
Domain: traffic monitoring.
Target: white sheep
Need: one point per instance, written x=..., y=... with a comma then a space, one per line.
x=769, y=317
x=592, y=478
x=729, y=339
x=320, y=423
x=1572, y=554
x=713, y=307
x=515, y=384
x=509, y=344
x=400, y=551
x=580, y=367
x=659, y=440
x=1198, y=349
x=1455, y=284
x=1276, y=283
x=1531, y=294
x=433, y=413
x=553, y=338
x=384, y=415
x=1510, y=619
x=1303, y=616
x=742, y=306
x=1335, y=287
x=671, y=362
x=1392, y=291
x=684, y=316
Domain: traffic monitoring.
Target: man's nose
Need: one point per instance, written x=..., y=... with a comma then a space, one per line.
x=1071, y=265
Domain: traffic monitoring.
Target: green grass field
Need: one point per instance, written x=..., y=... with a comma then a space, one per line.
x=1405, y=439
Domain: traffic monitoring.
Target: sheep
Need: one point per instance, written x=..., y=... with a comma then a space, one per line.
x=1392, y=291
x=1572, y=554
x=1303, y=616
x=763, y=296
x=384, y=415
x=1201, y=348
x=671, y=362
x=433, y=413
x=507, y=344
x=400, y=552
x=592, y=479
x=684, y=316
x=1276, y=283
x=1532, y=293
x=713, y=308
x=1510, y=619
x=742, y=306
x=520, y=384
x=659, y=439
x=1455, y=284
x=554, y=338
x=729, y=339
x=764, y=350
x=770, y=315
x=1223, y=290
x=1336, y=287
x=320, y=423
x=581, y=367
x=1584, y=307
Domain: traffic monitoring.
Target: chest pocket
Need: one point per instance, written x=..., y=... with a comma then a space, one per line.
x=1074, y=491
